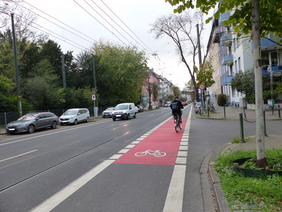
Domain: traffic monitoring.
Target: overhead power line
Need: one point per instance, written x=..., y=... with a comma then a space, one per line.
x=126, y=25
x=98, y=21
x=117, y=24
x=58, y=21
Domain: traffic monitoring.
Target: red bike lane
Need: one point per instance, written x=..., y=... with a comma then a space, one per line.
x=158, y=148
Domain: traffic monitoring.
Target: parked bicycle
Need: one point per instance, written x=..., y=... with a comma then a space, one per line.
x=177, y=123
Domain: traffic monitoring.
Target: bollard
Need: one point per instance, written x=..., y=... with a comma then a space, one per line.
x=264, y=124
x=241, y=128
x=279, y=112
x=208, y=111
x=224, y=111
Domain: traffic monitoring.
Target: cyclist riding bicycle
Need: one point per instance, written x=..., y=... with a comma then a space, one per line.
x=176, y=107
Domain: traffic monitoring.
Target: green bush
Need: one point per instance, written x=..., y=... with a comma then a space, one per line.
x=221, y=100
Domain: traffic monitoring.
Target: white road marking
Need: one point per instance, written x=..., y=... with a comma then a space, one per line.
x=19, y=155
x=59, y=197
x=174, y=198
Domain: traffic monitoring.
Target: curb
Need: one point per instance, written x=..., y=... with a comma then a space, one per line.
x=211, y=185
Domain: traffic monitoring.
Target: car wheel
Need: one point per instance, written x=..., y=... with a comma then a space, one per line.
x=134, y=115
x=127, y=116
x=30, y=129
x=114, y=119
x=75, y=122
x=54, y=125
x=87, y=120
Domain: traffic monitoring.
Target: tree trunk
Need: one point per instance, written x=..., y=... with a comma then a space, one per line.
x=195, y=89
x=260, y=146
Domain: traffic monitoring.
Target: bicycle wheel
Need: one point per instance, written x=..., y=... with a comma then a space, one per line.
x=180, y=125
x=177, y=126
x=140, y=154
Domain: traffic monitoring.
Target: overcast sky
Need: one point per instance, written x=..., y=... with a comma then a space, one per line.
x=77, y=25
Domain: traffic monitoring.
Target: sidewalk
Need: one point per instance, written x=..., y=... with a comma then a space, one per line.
x=272, y=141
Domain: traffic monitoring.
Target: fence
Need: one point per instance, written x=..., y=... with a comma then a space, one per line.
x=6, y=117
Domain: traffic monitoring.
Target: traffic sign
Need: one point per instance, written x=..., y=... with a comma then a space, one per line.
x=202, y=86
x=93, y=97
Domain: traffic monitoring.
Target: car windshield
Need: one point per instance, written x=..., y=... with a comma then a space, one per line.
x=70, y=112
x=121, y=107
x=27, y=117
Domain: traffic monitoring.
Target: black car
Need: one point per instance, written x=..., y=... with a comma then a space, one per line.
x=33, y=121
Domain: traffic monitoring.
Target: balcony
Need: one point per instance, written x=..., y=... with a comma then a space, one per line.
x=223, y=17
x=276, y=70
x=227, y=80
x=226, y=39
x=228, y=60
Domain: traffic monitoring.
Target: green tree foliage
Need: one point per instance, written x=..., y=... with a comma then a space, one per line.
x=270, y=18
x=42, y=87
x=176, y=91
x=6, y=85
x=124, y=72
x=221, y=100
x=244, y=82
x=205, y=74
x=279, y=88
x=155, y=89
x=267, y=95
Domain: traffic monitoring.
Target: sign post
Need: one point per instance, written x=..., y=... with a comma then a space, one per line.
x=95, y=108
x=202, y=87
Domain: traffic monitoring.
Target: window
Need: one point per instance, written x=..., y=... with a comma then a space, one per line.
x=235, y=66
x=230, y=71
x=273, y=58
x=239, y=64
x=264, y=58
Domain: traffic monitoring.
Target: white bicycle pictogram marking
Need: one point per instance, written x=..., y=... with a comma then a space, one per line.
x=156, y=153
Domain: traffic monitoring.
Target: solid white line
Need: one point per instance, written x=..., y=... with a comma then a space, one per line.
x=59, y=197
x=19, y=155
x=174, y=198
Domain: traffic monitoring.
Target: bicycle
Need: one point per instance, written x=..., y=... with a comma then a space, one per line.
x=177, y=123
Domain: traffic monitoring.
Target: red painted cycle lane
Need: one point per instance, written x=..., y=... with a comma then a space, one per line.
x=164, y=142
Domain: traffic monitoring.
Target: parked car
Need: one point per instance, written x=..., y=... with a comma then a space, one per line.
x=108, y=112
x=136, y=109
x=198, y=106
x=124, y=111
x=140, y=108
x=33, y=121
x=74, y=116
x=167, y=104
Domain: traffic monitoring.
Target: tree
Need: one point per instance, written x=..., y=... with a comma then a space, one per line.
x=245, y=83
x=155, y=89
x=179, y=28
x=247, y=19
x=205, y=74
x=42, y=88
x=176, y=91
x=122, y=71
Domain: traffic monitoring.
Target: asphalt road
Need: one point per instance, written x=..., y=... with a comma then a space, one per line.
x=68, y=169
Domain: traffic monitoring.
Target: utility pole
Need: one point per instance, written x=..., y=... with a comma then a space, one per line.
x=16, y=69
x=63, y=70
x=95, y=89
x=200, y=60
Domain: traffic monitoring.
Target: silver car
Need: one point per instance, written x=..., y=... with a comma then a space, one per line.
x=108, y=112
x=33, y=121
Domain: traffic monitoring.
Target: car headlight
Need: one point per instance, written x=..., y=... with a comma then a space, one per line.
x=124, y=111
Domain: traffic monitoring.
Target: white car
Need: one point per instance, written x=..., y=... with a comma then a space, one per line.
x=124, y=111
x=74, y=116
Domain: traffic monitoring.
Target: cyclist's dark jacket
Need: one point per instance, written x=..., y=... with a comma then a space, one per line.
x=179, y=104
